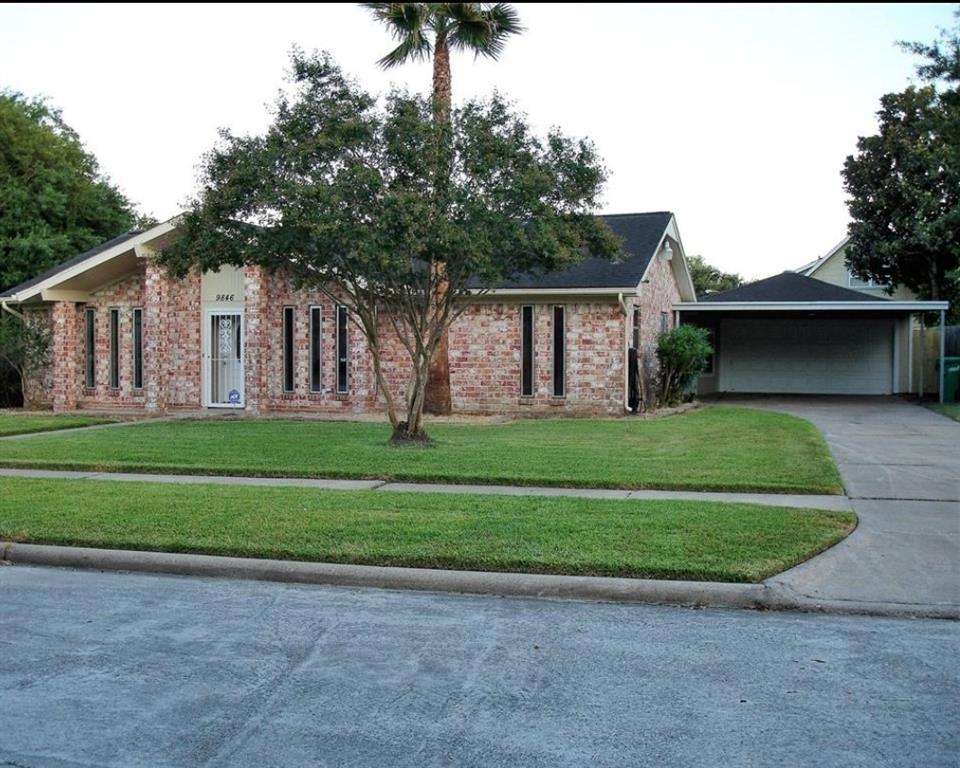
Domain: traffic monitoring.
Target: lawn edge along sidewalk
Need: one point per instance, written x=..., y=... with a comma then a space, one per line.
x=764, y=596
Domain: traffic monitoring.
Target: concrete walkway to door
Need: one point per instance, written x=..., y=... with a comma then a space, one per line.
x=900, y=465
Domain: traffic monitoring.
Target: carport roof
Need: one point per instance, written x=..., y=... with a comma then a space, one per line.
x=789, y=286
x=790, y=291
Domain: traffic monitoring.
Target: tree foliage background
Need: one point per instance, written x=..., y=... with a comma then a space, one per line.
x=54, y=203
x=709, y=279
x=904, y=182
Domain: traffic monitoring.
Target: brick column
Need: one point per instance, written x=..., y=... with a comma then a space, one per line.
x=66, y=351
x=255, y=341
x=155, y=352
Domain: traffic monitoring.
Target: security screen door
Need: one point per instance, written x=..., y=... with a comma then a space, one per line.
x=225, y=359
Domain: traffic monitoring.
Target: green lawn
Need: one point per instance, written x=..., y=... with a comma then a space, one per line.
x=716, y=448
x=950, y=410
x=650, y=539
x=21, y=423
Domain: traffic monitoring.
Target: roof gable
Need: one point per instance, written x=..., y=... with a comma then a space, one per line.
x=788, y=287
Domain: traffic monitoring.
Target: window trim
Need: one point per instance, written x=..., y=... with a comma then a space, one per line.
x=316, y=348
x=288, y=346
x=664, y=322
x=343, y=328
x=562, y=357
x=136, y=333
x=114, y=336
x=90, y=348
x=871, y=283
x=528, y=348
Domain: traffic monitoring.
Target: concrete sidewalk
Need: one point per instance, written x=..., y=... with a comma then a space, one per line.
x=830, y=503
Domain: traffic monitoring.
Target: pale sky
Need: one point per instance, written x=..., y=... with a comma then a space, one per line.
x=736, y=118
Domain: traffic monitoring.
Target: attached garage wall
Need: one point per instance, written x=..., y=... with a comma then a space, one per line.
x=849, y=356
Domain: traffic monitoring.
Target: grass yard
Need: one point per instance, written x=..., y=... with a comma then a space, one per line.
x=648, y=539
x=950, y=410
x=24, y=422
x=715, y=448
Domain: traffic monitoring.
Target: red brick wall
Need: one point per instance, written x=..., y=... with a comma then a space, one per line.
x=485, y=360
x=124, y=296
x=656, y=297
x=484, y=350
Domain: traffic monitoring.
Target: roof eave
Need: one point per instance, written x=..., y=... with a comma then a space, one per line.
x=800, y=306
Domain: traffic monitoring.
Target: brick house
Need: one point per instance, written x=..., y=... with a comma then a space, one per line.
x=127, y=336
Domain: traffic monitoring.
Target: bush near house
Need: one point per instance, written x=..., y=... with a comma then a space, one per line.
x=683, y=354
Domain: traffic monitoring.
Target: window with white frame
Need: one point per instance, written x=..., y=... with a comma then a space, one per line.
x=90, y=348
x=343, y=350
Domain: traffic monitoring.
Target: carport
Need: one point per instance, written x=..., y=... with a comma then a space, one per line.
x=791, y=334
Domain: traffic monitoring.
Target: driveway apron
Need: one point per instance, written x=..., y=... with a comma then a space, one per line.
x=900, y=465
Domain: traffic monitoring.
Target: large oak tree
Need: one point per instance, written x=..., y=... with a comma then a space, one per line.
x=904, y=183
x=343, y=193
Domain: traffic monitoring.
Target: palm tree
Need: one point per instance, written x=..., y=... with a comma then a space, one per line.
x=425, y=30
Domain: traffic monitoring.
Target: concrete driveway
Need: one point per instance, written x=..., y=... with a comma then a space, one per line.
x=900, y=465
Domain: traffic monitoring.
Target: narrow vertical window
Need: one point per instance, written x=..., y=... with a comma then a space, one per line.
x=90, y=348
x=115, y=348
x=636, y=327
x=559, y=351
x=315, y=349
x=664, y=322
x=343, y=351
x=138, y=348
x=526, y=351
x=288, y=349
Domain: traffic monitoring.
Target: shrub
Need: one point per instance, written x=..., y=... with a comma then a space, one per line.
x=683, y=354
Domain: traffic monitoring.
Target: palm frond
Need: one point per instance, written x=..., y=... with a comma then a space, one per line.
x=408, y=24
x=481, y=28
x=414, y=47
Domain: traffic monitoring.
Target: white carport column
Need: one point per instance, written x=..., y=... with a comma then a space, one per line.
x=943, y=341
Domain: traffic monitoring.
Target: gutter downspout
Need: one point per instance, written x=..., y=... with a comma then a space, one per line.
x=6, y=308
x=626, y=353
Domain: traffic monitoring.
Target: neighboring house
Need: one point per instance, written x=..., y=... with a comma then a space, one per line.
x=125, y=335
x=832, y=268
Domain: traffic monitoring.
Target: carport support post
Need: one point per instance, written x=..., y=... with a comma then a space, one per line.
x=943, y=332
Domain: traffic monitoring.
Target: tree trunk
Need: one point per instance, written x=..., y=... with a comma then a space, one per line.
x=411, y=432
x=437, y=396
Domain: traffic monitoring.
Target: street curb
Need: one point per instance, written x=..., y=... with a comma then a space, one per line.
x=694, y=594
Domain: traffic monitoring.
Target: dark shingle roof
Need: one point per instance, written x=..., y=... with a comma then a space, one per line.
x=788, y=286
x=69, y=263
x=641, y=234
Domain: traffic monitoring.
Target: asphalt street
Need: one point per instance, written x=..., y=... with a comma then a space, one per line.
x=114, y=669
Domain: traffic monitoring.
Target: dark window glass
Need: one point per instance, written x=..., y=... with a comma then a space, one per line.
x=559, y=351
x=288, y=349
x=526, y=351
x=315, y=349
x=115, y=348
x=343, y=351
x=636, y=327
x=664, y=322
x=90, y=337
x=138, y=348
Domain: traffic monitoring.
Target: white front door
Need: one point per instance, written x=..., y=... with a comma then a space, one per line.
x=223, y=359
